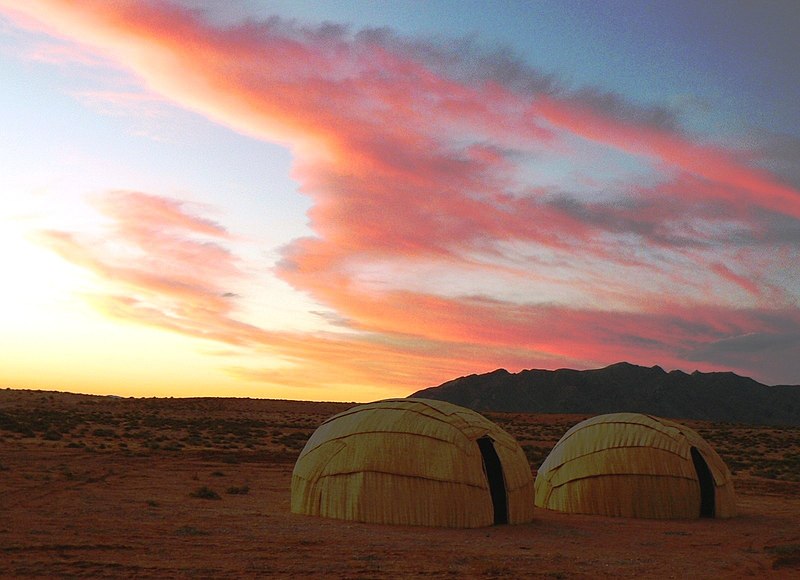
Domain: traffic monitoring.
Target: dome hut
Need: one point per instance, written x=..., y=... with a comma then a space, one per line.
x=634, y=465
x=416, y=462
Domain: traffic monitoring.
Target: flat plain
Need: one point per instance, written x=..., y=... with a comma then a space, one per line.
x=154, y=488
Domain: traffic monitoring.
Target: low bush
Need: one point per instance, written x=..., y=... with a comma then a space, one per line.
x=205, y=492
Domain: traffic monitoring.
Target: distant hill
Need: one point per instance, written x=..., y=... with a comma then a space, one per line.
x=718, y=396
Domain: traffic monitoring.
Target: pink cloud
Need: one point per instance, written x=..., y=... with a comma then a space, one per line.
x=150, y=249
x=411, y=153
x=63, y=54
x=123, y=102
x=752, y=186
x=745, y=283
x=140, y=212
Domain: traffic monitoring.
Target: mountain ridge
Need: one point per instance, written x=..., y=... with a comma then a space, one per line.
x=714, y=396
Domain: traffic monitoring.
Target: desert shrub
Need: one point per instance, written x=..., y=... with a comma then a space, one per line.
x=296, y=440
x=104, y=433
x=786, y=556
x=217, y=474
x=190, y=531
x=7, y=422
x=243, y=490
x=769, y=473
x=205, y=492
x=498, y=570
x=52, y=435
x=535, y=454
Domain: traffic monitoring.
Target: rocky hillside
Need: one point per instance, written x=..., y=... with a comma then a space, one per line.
x=719, y=396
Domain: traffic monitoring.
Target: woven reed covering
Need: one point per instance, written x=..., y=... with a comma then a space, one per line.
x=409, y=461
x=632, y=465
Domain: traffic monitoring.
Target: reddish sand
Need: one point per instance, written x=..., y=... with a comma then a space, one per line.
x=98, y=487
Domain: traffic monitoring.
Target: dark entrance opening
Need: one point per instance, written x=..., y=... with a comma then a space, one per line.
x=706, y=480
x=497, y=483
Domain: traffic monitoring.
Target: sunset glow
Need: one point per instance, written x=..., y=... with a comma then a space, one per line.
x=279, y=200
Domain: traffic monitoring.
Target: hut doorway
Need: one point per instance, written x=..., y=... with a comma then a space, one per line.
x=494, y=475
x=706, y=480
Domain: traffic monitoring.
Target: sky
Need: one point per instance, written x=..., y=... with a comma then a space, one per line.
x=357, y=200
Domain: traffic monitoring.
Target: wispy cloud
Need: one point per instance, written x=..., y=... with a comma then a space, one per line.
x=155, y=249
x=420, y=158
x=112, y=102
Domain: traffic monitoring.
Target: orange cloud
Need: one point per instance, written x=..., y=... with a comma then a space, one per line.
x=159, y=269
x=398, y=341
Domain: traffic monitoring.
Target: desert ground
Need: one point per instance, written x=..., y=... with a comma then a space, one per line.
x=164, y=488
